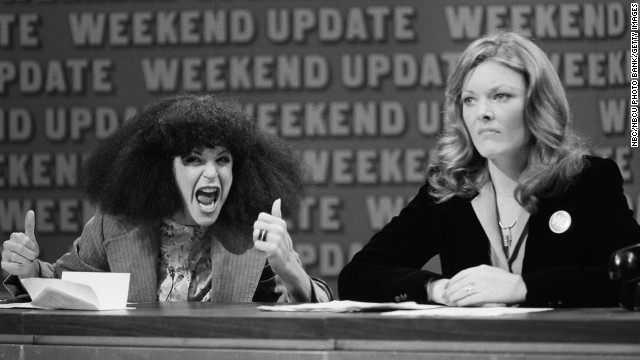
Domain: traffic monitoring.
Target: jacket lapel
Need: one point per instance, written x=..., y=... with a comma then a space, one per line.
x=236, y=267
x=463, y=241
x=542, y=241
x=137, y=253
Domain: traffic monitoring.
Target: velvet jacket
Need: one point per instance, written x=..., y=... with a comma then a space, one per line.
x=569, y=268
x=110, y=244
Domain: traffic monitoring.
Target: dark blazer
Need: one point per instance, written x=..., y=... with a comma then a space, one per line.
x=569, y=269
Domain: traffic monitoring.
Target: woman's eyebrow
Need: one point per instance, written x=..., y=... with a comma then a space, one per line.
x=492, y=89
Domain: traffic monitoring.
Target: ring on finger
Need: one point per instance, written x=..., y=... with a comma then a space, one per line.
x=470, y=289
x=262, y=235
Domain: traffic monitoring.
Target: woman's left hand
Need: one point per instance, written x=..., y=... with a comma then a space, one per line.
x=484, y=285
x=276, y=243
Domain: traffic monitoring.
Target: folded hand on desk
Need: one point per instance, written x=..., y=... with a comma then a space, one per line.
x=484, y=284
x=20, y=252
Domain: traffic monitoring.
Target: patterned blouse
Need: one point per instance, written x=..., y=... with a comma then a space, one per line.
x=184, y=271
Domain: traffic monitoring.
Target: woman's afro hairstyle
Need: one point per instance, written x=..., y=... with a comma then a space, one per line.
x=131, y=172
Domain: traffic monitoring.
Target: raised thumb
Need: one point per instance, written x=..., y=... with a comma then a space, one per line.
x=275, y=209
x=29, y=228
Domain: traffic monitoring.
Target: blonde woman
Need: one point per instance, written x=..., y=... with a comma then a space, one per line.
x=514, y=206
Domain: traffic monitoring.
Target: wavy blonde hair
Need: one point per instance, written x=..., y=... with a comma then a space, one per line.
x=556, y=153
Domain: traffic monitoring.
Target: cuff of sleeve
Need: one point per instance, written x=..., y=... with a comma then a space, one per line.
x=539, y=291
x=413, y=287
x=13, y=285
x=320, y=291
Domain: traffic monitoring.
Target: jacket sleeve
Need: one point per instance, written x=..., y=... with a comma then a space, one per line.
x=389, y=267
x=320, y=291
x=86, y=254
x=581, y=279
x=271, y=288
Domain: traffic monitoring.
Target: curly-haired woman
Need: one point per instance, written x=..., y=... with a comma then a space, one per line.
x=178, y=189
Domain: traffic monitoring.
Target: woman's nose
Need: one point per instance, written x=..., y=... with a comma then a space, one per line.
x=210, y=171
x=485, y=111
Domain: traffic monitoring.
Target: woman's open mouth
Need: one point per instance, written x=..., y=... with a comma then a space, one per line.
x=207, y=198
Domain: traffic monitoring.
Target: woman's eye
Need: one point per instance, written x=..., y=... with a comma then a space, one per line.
x=501, y=97
x=224, y=159
x=190, y=160
x=467, y=101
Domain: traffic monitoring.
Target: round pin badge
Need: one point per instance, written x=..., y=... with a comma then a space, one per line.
x=560, y=221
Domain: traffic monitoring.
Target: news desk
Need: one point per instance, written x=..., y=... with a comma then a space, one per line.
x=240, y=331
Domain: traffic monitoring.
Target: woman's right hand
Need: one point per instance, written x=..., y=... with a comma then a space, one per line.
x=20, y=252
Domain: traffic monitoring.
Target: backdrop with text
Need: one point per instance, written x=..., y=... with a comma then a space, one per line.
x=355, y=86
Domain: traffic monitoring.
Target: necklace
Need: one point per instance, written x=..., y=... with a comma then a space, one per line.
x=507, y=236
x=506, y=240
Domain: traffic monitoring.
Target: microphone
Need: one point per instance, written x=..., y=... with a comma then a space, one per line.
x=625, y=267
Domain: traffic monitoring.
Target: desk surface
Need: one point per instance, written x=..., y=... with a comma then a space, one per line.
x=169, y=331
x=203, y=320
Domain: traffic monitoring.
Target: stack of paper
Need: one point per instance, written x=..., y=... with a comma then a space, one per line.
x=349, y=306
x=408, y=308
x=80, y=291
x=468, y=311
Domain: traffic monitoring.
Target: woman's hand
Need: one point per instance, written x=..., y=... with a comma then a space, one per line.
x=484, y=285
x=436, y=290
x=20, y=252
x=270, y=235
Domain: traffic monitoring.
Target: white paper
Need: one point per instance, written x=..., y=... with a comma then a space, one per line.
x=80, y=291
x=467, y=311
x=347, y=306
x=23, y=305
x=111, y=289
